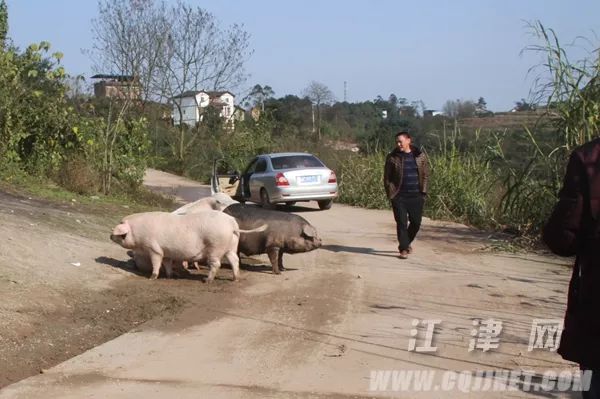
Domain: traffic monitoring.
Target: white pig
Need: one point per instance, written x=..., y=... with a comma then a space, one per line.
x=217, y=202
x=206, y=237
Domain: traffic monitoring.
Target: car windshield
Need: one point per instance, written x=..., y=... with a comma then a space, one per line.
x=296, y=162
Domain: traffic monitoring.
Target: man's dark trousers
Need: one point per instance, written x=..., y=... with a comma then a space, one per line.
x=408, y=212
x=594, y=389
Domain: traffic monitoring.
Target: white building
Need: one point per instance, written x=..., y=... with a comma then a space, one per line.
x=188, y=106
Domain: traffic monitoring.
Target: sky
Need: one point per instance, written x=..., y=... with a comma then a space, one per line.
x=431, y=51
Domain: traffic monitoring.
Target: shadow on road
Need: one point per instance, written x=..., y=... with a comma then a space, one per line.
x=258, y=266
x=247, y=264
x=128, y=266
x=359, y=250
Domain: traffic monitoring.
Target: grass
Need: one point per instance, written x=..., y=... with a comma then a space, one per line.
x=459, y=186
x=21, y=184
x=361, y=181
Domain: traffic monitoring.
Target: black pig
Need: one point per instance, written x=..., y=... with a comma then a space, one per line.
x=286, y=233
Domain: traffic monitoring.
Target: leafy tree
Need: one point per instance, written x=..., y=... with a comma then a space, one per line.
x=45, y=132
x=35, y=120
x=260, y=94
x=523, y=105
x=393, y=100
x=3, y=23
x=481, y=105
x=291, y=116
x=116, y=145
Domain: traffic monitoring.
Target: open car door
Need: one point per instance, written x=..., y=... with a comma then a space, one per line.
x=225, y=180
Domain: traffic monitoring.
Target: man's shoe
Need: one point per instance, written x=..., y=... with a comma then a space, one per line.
x=410, y=250
x=403, y=255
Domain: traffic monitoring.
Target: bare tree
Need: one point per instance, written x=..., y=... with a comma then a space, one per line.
x=170, y=50
x=318, y=94
x=199, y=55
x=129, y=39
x=459, y=109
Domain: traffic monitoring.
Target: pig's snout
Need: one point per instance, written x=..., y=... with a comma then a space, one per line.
x=118, y=238
x=120, y=232
x=317, y=242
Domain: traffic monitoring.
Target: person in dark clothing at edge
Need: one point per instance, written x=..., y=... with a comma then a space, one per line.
x=574, y=229
x=405, y=178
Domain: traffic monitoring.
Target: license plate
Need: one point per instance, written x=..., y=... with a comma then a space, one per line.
x=309, y=179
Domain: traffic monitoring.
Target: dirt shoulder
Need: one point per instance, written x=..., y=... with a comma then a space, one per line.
x=66, y=288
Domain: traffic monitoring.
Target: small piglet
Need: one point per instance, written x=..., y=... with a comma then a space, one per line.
x=286, y=233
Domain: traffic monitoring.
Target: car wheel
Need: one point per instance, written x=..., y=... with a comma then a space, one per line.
x=325, y=204
x=265, y=202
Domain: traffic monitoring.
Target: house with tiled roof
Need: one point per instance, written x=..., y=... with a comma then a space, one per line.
x=188, y=106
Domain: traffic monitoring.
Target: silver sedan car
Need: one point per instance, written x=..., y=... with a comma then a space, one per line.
x=286, y=178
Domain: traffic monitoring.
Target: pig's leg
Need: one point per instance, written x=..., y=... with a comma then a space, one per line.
x=273, y=253
x=186, y=265
x=281, y=260
x=234, y=261
x=168, y=267
x=156, y=260
x=214, y=264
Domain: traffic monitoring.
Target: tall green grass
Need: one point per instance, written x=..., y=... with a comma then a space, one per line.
x=471, y=181
x=361, y=181
x=460, y=185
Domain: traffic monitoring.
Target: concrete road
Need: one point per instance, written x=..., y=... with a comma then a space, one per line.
x=182, y=189
x=339, y=315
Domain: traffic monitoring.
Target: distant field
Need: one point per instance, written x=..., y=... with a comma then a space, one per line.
x=503, y=120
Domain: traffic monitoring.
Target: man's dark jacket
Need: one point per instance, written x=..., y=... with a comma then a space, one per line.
x=394, y=171
x=573, y=229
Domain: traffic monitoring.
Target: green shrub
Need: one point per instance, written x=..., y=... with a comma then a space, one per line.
x=76, y=174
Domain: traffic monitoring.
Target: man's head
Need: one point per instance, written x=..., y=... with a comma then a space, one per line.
x=403, y=140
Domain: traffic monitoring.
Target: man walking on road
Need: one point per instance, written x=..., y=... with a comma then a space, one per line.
x=574, y=229
x=405, y=178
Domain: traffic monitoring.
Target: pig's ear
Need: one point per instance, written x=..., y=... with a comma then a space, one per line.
x=309, y=231
x=121, y=229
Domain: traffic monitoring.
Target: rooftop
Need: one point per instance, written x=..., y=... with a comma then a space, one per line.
x=121, y=78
